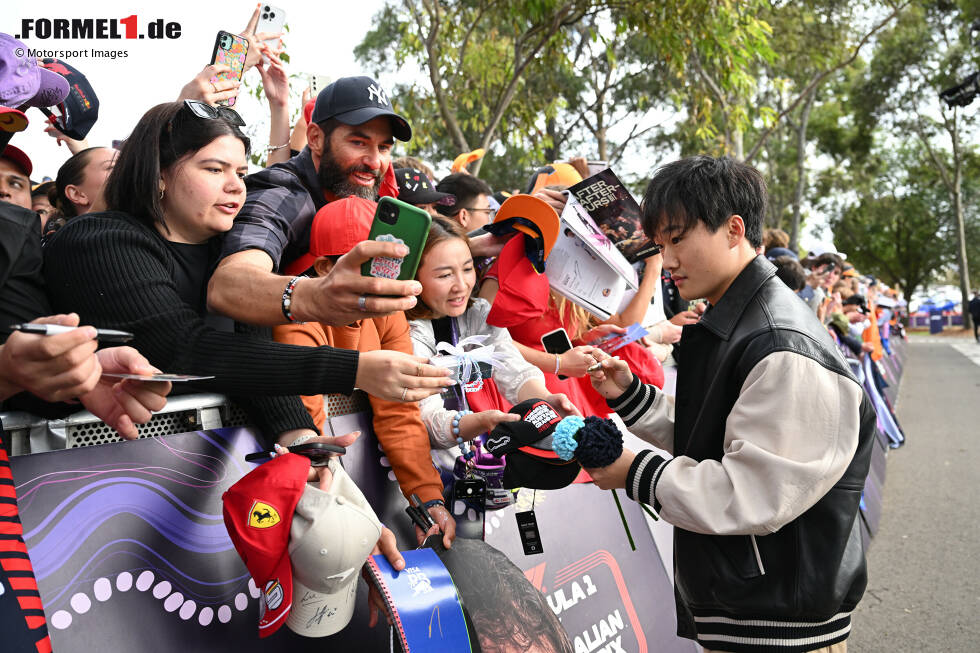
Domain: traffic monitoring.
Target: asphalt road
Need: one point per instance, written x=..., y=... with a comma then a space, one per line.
x=924, y=564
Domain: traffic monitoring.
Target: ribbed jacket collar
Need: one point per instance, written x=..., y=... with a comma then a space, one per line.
x=721, y=318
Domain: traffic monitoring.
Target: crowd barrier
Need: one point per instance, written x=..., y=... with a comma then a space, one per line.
x=131, y=553
x=920, y=321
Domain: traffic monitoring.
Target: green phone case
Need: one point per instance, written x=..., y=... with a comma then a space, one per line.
x=411, y=228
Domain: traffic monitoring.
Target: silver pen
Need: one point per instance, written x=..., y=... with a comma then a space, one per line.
x=103, y=335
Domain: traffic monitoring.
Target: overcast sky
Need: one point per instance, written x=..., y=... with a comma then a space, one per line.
x=321, y=40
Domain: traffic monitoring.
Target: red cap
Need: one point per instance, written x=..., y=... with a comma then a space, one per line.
x=19, y=158
x=12, y=120
x=336, y=228
x=258, y=512
x=523, y=293
x=308, y=110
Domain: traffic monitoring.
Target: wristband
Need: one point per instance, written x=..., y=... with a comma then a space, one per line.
x=434, y=502
x=273, y=148
x=557, y=363
x=287, y=299
x=301, y=439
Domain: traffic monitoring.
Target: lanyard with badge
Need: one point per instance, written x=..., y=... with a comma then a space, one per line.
x=467, y=497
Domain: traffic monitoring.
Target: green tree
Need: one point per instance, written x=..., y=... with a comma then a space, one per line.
x=520, y=74
x=899, y=227
x=928, y=50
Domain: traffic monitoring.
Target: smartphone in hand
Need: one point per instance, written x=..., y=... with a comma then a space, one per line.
x=398, y=222
x=231, y=50
x=271, y=20
x=556, y=342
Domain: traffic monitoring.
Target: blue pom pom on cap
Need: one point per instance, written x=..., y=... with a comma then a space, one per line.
x=563, y=439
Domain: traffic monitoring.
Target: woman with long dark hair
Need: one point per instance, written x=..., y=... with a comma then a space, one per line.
x=143, y=265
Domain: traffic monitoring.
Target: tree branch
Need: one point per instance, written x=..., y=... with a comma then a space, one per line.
x=435, y=75
x=819, y=77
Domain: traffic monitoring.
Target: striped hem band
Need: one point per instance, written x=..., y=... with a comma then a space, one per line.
x=716, y=632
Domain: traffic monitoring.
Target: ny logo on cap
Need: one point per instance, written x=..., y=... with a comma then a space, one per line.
x=377, y=94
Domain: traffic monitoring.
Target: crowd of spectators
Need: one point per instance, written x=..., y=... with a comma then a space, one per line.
x=254, y=280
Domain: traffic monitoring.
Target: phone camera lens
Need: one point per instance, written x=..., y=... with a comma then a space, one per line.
x=267, y=8
x=272, y=15
x=389, y=215
x=265, y=16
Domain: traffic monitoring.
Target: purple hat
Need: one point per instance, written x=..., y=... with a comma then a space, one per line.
x=23, y=81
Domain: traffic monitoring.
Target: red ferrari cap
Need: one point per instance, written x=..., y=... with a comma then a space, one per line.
x=258, y=512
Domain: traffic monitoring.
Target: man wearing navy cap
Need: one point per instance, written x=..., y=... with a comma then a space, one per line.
x=350, y=138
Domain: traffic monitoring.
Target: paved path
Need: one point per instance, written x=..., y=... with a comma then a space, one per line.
x=924, y=586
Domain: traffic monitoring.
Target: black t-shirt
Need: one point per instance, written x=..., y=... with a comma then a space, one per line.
x=22, y=296
x=195, y=263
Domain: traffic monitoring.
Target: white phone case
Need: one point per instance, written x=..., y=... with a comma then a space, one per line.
x=271, y=19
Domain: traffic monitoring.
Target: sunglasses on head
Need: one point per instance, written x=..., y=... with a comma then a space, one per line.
x=208, y=112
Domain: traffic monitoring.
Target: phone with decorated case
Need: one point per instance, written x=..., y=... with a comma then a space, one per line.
x=398, y=222
x=229, y=49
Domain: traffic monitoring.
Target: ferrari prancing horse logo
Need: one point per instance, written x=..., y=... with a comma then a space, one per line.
x=262, y=515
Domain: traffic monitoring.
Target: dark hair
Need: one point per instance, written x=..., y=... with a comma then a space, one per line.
x=43, y=189
x=465, y=187
x=507, y=612
x=328, y=127
x=71, y=173
x=440, y=230
x=163, y=136
x=829, y=258
x=706, y=190
x=789, y=270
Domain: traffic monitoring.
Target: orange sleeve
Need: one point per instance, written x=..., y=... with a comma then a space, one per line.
x=309, y=334
x=399, y=426
x=871, y=335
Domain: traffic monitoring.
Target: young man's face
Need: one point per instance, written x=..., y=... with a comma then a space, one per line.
x=477, y=214
x=15, y=187
x=833, y=276
x=356, y=158
x=700, y=262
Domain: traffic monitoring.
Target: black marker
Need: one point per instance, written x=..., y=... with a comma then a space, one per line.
x=417, y=518
x=103, y=335
x=422, y=510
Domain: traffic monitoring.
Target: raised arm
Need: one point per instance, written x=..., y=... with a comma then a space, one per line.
x=245, y=288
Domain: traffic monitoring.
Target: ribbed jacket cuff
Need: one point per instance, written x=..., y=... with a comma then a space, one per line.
x=632, y=404
x=275, y=415
x=343, y=370
x=642, y=478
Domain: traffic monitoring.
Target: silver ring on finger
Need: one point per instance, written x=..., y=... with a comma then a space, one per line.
x=404, y=393
x=362, y=302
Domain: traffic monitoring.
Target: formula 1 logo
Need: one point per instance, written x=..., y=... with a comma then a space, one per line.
x=98, y=28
